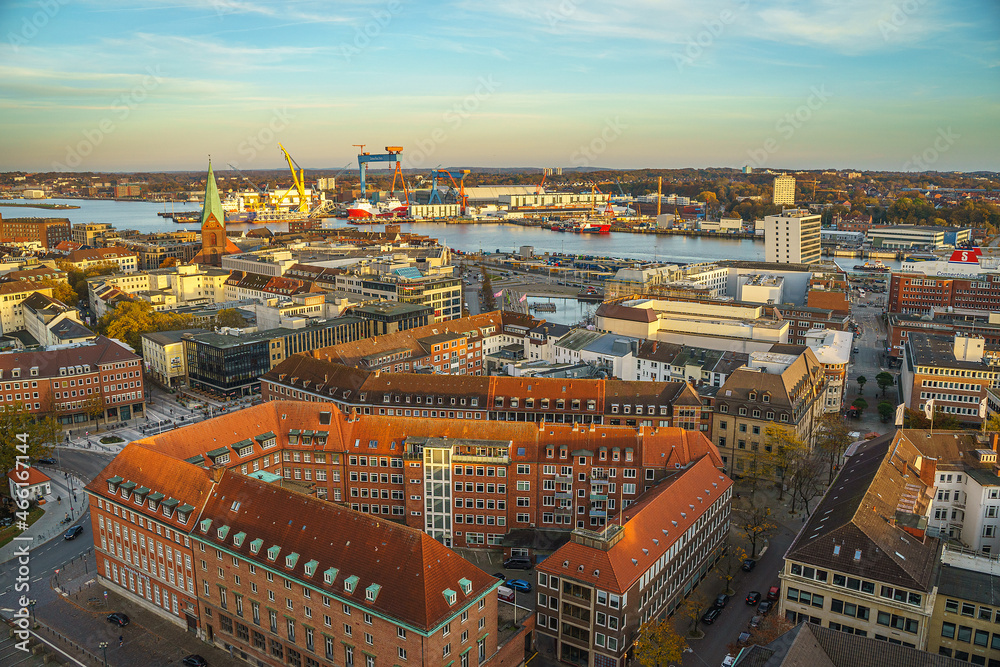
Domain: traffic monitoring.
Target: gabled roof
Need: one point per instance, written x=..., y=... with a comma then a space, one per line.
x=650, y=527
x=854, y=528
x=34, y=476
x=95, y=353
x=411, y=568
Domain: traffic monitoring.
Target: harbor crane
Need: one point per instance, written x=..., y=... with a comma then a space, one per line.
x=459, y=185
x=391, y=155
x=298, y=182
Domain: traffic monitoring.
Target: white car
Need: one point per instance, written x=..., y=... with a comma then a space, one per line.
x=728, y=661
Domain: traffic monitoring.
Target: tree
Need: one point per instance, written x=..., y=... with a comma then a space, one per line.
x=61, y=291
x=993, y=423
x=693, y=608
x=659, y=643
x=861, y=404
x=93, y=407
x=489, y=301
x=884, y=380
x=730, y=564
x=130, y=319
x=832, y=438
x=771, y=627
x=942, y=421
x=230, y=317
x=168, y=262
x=885, y=411
x=806, y=480
x=78, y=277
x=753, y=520
x=781, y=450
x=861, y=383
x=40, y=435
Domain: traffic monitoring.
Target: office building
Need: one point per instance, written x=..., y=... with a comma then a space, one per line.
x=907, y=237
x=45, y=233
x=792, y=237
x=126, y=260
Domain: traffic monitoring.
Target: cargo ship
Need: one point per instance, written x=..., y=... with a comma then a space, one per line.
x=872, y=267
x=361, y=209
x=593, y=228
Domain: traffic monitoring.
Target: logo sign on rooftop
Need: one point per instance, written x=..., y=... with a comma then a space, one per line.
x=967, y=256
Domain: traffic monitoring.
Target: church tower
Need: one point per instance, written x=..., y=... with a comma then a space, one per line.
x=214, y=243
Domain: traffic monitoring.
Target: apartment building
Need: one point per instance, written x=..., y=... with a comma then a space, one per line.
x=503, y=478
x=833, y=351
x=12, y=297
x=955, y=372
x=35, y=274
x=126, y=260
x=65, y=381
x=412, y=349
x=965, y=623
x=497, y=398
x=943, y=322
x=786, y=386
x=235, y=560
x=658, y=361
x=803, y=319
x=167, y=289
x=90, y=233
x=857, y=222
x=241, y=285
x=51, y=322
x=792, y=237
x=863, y=563
x=784, y=190
x=595, y=591
x=45, y=233
x=152, y=253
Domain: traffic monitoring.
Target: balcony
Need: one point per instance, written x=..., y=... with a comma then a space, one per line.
x=475, y=458
x=564, y=479
x=599, y=477
x=597, y=497
x=563, y=510
x=564, y=495
x=601, y=513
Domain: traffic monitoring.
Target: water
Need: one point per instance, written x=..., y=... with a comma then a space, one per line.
x=568, y=311
x=467, y=237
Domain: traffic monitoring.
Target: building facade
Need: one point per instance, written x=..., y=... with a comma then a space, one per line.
x=918, y=293
x=126, y=261
x=792, y=237
x=164, y=356
x=596, y=591
x=46, y=233
x=12, y=297
x=784, y=190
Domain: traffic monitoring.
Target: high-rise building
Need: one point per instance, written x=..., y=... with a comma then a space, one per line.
x=792, y=237
x=784, y=189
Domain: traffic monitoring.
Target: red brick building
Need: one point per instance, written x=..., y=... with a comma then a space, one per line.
x=501, y=476
x=49, y=232
x=942, y=323
x=64, y=382
x=919, y=293
x=855, y=223
x=279, y=578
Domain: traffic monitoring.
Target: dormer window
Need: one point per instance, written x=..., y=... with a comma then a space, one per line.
x=291, y=559
x=330, y=575
x=350, y=583
x=466, y=585
x=310, y=568
x=272, y=552
x=238, y=539
x=113, y=483
x=256, y=545
x=222, y=532
x=372, y=592
x=752, y=396
x=450, y=596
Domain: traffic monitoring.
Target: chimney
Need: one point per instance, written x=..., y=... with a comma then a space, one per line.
x=216, y=471
x=928, y=469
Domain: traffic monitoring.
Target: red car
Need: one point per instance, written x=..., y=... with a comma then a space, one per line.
x=772, y=593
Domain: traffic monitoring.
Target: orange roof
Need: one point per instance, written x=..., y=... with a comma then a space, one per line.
x=411, y=569
x=650, y=528
x=35, y=476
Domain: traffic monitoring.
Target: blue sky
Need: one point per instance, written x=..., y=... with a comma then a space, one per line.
x=124, y=85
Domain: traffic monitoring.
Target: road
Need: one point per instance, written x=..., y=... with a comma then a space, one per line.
x=736, y=617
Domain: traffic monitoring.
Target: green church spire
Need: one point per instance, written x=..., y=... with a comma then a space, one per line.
x=213, y=205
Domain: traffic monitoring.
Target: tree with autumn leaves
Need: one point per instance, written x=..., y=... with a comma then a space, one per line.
x=130, y=319
x=658, y=643
x=42, y=434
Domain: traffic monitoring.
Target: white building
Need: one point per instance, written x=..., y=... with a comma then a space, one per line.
x=792, y=237
x=12, y=296
x=35, y=482
x=833, y=350
x=761, y=288
x=126, y=260
x=265, y=263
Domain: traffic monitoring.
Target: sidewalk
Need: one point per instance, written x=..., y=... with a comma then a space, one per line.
x=49, y=525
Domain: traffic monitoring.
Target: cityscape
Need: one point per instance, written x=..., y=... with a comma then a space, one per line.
x=636, y=335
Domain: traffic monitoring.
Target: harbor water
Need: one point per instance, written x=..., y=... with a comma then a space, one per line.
x=468, y=237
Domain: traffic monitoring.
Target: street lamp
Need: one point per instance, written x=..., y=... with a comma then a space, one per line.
x=104, y=647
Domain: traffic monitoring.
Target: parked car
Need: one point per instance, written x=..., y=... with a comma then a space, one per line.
x=744, y=638
x=764, y=607
x=73, y=532
x=729, y=660
x=755, y=621
x=721, y=600
x=500, y=575
x=753, y=597
x=517, y=563
x=195, y=661
x=749, y=564
x=48, y=460
x=519, y=585
x=118, y=618
x=772, y=593
x=709, y=617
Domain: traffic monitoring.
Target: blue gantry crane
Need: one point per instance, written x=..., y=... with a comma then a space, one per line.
x=391, y=155
x=459, y=185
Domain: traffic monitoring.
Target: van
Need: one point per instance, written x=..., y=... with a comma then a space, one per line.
x=517, y=563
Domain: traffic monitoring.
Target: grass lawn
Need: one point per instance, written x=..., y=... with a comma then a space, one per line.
x=10, y=532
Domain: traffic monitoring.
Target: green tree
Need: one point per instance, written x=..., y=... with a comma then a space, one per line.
x=489, y=301
x=659, y=643
x=861, y=404
x=782, y=450
x=61, y=291
x=885, y=411
x=77, y=278
x=40, y=435
x=230, y=317
x=861, y=383
x=130, y=319
x=993, y=423
x=942, y=421
x=884, y=380
x=693, y=608
x=832, y=438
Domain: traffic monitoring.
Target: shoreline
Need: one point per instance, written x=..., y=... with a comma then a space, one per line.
x=48, y=207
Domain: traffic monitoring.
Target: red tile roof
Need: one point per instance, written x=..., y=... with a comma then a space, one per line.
x=411, y=568
x=650, y=527
x=35, y=476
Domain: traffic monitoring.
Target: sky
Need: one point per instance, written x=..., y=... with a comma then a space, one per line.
x=159, y=85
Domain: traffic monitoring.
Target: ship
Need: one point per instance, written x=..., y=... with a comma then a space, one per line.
x=873, y=267
x=590, y=227
x=361, y=210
